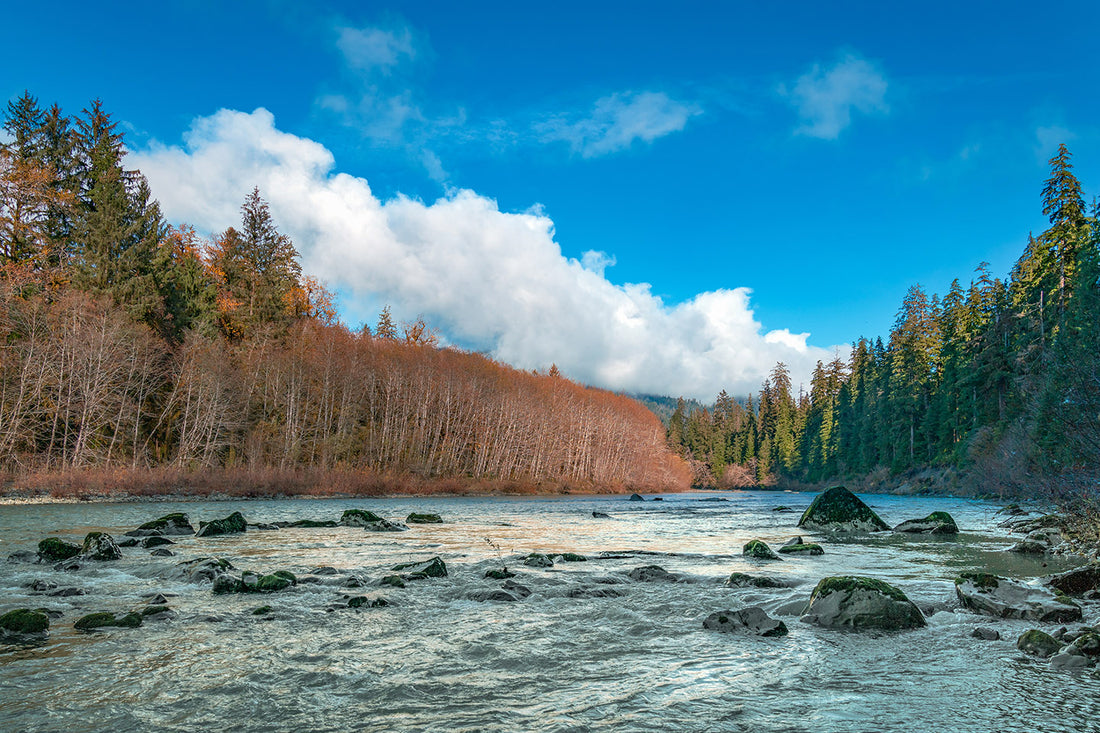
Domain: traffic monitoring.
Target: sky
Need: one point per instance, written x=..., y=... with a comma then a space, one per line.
x=658, y=198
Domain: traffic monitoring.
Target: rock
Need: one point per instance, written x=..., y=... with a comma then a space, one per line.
x=100, y=546
x=1038, y=644
x=1029, y=547
x=352, y=581
x=569, y=557
x=1003, y=598
x=744, y=580
x=986, y=634
x=1077, y=581
x=307, y=524
x=264, y=527
x=359, y=518
x=385, y=526
x=157, y=599
x=226, y=584
x=25, y=556
x=68, y=566
x=128, y=542
x=1067, y=661
x=934, y=523
x=1085, y=645
x=538, y=560
x=162, y=552
x=277, y=581
x=658, y=498
x=854, y=602
x=394, y=581
x=493, y=595
x=636, y=497
x=502, y=574
x=601, y=515
x=262, y=611
x=104, y=619
x=157, y=613
x=795, y=546
x=67, y=592
x=1012, y=510
x=753, y=620
x=52, y=549
x=839, y=510
x=156, y=541
x=416, y=518
x=759, y=550
x=434, y=568
x=24, y=621
x=361, y=601
x=782, y=508
x=233, y=524
x=651, y=573
x=41, y=586
x=201, y=569
x=169, y=524
x=516, y=589
x=714, y=498
x=325, y=570
x=596, y=593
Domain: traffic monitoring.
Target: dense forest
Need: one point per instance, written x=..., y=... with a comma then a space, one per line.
x=130, y=345
x=996, y=384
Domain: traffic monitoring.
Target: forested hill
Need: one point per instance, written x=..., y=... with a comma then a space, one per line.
x=997, y=382
x=129, y=344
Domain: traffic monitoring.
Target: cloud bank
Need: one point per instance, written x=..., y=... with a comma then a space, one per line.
x=491, y=280
x=825, y=98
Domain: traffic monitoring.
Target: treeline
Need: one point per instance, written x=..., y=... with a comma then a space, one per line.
x=1000, y=378
x=125, y=342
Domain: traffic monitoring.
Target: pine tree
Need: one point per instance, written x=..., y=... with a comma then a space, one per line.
x=385, y=328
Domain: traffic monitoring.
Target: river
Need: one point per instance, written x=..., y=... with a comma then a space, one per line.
x=437, y=660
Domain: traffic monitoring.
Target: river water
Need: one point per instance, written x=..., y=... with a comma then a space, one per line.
x=437, y=660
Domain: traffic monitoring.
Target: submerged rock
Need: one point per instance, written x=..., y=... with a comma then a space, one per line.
x=493, y=595
x=307, y=524
x=104, y=619
x=569, y=557
x=538, y=560
x=53, y=549
x=753, y=620
x=996, y=596
x=100, y=546
x=359, y=518
x=1077, y=581
x=250, y=582
x=650, y=573
x=934, y=523
x=636, y=497
x=854, y=602
x=985, y=634
x=795, y=546
x=233, y=524
x=201, y=569
x=394, y=581
x=759, y=550
x=155, y=541
x=744, y=580
x=782, y=508
x=25, y=556
x=516, y=589
x=385, y=526
x=839, y=510
x=416, y=518
x=38, y=585
x=24, y=621
x=170, y=524
x=434, y=568
x=162, y=552
x=501, y=574
x=1038, y=644
x=601, y=515
x=157, y=613
x=604, y=592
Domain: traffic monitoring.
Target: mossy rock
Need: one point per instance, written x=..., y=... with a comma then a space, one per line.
x=308, y=524
x=155, y=541
x=24, y=621
x=434, y=568
x=1077, y=581
x=154, y=610
x=53, y=549
x=570, y=557
x=233, y=524
x=359, y=518
x=1038, y=644
x=176, y=523
x=797, y=547
x=502, y=574
x=367, y=602
x=104, y=620
x=759, y=550
x=1086, y=645
x=854, y=602
x=227, y=584
x=538, y=560
x=940, y=523
x=983, y=581
x=100, y=546
x=753, y=620
x=839, y=510
x=274, y=582
x=744, y=580
x=417, y=518
x=394, y=581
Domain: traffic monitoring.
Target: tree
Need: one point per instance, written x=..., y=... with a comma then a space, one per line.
x=385, y=328
x=1063, y=204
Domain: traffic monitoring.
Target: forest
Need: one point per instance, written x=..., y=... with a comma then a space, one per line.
x=993, y=387
x=131, y=348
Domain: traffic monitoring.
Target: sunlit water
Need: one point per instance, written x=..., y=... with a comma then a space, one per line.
x=435, y=660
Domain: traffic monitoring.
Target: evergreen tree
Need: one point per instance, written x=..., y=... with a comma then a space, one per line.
x=385, y=328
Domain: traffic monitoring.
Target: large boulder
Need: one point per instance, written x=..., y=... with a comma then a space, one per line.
x=853, y=602
x=170, y=524
x=1038, y=644
x=104, y=619
x=359, y=518
x=996, y=596
x=759, y=550
x=795, y=546
x=753, y=620
x=839, y=510
x=1077, y=581
x=233, y=524
x=636, y=497
x=934, y=523
x=434, y=568
x=100, y=546
x=24, y=621
x=52, y=549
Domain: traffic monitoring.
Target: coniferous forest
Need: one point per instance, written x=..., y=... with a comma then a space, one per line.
x=993, y=387
x=132, y=348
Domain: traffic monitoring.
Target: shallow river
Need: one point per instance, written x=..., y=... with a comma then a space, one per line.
x=436, y=660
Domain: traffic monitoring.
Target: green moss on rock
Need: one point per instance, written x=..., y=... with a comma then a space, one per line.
x=571, y=557
x=984, y=581
x=744, y=580
x=841, y=510
x=53, y=549
x=272, y=583
x=759, y=549
x=434, y=568
x=417, y=518
x=1038, y=643
x=848, y=583
x=803, y=548
x=233, y=524
x=104, y=620
x=502, y=574
x=24, y=621
x=394, y=581
x=358, y=517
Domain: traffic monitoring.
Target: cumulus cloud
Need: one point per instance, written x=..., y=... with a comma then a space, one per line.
x=490, y=279
x=616, y=121
x=825, y=98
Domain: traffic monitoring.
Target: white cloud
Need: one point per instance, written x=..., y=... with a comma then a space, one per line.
x=490, y=279
x=616, y=121
x=825, y=98
x=1048, y=138
x=373, y=49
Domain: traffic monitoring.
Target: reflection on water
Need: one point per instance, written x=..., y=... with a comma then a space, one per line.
x=436, y=660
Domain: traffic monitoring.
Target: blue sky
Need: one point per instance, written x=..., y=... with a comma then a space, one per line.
x=825, y=156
